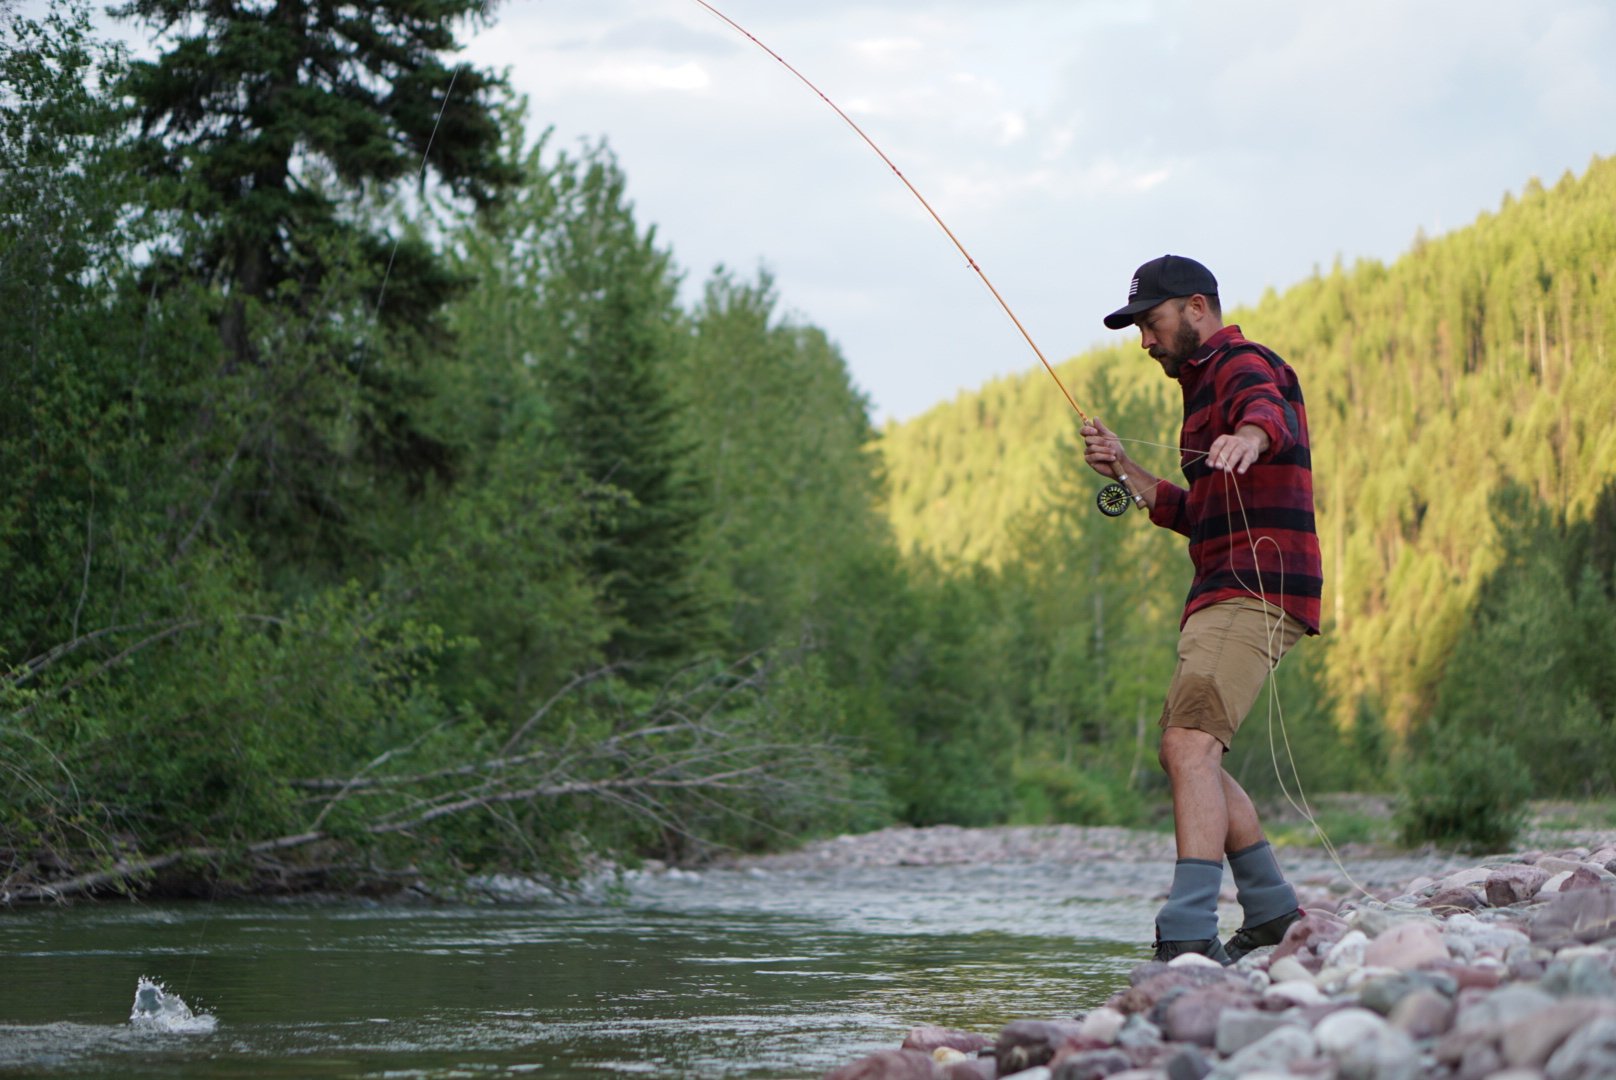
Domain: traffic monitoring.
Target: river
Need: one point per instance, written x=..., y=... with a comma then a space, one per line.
x=785, y=966
x=722, y=973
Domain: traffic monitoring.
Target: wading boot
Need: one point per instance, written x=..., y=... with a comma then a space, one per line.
x=1271, y=932
x=1211, y=948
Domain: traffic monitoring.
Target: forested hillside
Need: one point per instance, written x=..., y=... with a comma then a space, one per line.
x=1461, y=403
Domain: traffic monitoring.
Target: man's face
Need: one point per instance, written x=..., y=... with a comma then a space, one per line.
x=1167, y=335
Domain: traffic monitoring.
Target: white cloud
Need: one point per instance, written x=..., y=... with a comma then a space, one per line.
x=641, y=77
x=1012, y=128
x=1146, y=181
x=889, y=51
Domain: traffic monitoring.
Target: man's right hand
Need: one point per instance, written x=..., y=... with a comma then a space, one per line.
x=1102, y=449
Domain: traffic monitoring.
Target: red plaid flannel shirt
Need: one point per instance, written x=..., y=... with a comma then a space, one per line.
x=1251, y=534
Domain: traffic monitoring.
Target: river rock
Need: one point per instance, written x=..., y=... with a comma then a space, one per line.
x=1584, y=877
x=1559, y=864
x=1293, y=992
x=1529, y=1041
x=1384, y=994
x=1273, y=1052
x=980, y=1068
x=887, y=1065
x=1588, y=1054
x=1579, y=917
x=1407, y=946
x=1424, y=1014
x=928, y=1039
x=1163, y=980
x=1101, y=1025
x=1192, y=1017
x=1024, y=1044
x=1588, y=976
x=1450, y=900
x=1475, y=878
x=1364, y=1046
x=1468, y=938
x=1348, y=952
x=1188, y=1064
x=1479, y=1060
x=1310, y=937
x=1139, y=1035
x=1089, y=1064
x=1289, y=969
x=1239, y=1028
x=1514, y=884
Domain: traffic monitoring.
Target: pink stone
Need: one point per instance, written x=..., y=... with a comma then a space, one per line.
x=1514, y=884
x=1406, y=946
x=1581, y=878
x=928, y=1038
x=1311, y=936
x=887, y=1065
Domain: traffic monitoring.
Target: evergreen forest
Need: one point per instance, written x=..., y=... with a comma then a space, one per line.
x=373, y=508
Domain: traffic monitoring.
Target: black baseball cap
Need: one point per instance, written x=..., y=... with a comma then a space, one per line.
x=1162, y=279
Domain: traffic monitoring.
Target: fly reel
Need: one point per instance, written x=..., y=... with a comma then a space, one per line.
x=1113, y=500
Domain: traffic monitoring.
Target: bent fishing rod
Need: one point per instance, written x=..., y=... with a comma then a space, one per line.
x=1113, y=499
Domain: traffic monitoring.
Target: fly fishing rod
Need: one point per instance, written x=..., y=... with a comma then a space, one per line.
x=1113, y=499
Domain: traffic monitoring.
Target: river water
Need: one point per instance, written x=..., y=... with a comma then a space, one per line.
x=722, y=973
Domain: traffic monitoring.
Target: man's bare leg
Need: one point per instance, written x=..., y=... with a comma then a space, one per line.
x=1203, y=794
x=1193, y=761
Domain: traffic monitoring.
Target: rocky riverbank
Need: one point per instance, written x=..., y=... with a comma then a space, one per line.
x=1502, y=968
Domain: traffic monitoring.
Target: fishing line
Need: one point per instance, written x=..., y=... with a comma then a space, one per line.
x=1114, y=498
x=420, y=175
x=1276, y=710
x=913, y=191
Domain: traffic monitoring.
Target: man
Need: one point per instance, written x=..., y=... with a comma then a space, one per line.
x=1248, y=513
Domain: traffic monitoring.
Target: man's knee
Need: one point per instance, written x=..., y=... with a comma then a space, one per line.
x=1189, y=750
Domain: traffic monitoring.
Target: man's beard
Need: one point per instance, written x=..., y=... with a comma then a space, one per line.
x=1186, y=343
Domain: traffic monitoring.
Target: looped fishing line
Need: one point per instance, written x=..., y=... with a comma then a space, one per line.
x=1276, y=711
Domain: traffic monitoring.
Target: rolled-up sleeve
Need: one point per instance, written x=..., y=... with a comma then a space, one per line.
x=1247, y=383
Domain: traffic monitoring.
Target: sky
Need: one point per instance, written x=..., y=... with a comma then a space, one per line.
x=1062, y=141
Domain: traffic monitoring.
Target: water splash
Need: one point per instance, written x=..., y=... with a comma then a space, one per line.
x=157, y=1009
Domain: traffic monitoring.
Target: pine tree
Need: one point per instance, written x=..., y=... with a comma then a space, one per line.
x=265, y=118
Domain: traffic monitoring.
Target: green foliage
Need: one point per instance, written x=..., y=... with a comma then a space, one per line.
x=783, y=440
x=347, y=600
x=1532, y=667
x=593, y=297
x=1055, y=793
x=1291, y=746
x=1462, y=790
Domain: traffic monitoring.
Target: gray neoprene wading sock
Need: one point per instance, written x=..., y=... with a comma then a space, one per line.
x=1260, y=885
x=1191, y=911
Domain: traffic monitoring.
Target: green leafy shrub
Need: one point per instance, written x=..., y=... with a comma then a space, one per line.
x=1467, y=791
x=1050, y=793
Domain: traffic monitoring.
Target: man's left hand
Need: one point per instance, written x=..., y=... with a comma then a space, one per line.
x=1238, y=452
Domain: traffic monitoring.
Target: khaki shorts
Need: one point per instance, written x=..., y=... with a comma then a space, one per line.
x=1225, y=654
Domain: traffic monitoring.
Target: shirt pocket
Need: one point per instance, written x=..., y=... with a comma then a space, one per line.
x=1195, y=440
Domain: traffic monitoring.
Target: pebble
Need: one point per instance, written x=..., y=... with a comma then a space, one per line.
x=1517, y=982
